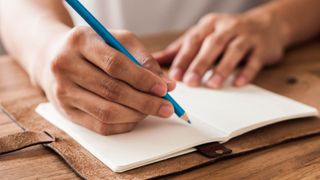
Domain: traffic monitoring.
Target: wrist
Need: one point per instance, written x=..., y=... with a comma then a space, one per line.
x=40, y=66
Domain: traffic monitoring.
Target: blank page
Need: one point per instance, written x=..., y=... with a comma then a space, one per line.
x=216, y=115
x=239, y=110
x=152, y=140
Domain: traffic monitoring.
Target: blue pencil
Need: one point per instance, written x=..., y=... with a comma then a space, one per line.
x=113, y=42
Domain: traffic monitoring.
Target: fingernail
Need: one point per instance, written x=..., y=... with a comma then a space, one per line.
x=176, y=74
x=159, y=89
x=192, y=79
x=215, y=82
x=165, y=110
x=241, y=81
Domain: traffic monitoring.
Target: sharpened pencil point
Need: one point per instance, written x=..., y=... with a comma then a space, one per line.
x=186, y=118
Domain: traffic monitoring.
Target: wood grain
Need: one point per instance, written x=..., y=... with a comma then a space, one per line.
x=299, y=159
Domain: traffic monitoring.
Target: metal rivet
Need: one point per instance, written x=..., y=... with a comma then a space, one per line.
x=219, y=151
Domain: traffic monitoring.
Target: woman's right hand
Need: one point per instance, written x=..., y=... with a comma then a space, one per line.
x=98, y=87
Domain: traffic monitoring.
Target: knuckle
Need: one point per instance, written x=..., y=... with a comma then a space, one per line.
x=217, y=39
x=77, y=34
x=149, y=63
x=104, y=113
x=111, y=89
x=58, y=63
x=112, y=63
x=194, y=38
x=238, y=46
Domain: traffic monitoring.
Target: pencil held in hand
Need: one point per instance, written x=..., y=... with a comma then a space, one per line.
x=113, y=42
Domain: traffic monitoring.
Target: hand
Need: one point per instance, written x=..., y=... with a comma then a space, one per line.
x=252, y=38
x=100, y=88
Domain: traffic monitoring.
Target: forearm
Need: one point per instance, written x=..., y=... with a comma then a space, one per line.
x=28, y=29
x=298, y=19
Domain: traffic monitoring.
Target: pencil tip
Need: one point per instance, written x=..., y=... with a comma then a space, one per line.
x=186, y=118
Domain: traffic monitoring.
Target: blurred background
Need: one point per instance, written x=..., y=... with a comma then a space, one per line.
x=1, y=47
x=144, y=25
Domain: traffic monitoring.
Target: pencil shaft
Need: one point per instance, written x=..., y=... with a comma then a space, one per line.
x=113, y=42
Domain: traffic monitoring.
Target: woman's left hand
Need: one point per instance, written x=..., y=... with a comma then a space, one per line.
x=252, y=38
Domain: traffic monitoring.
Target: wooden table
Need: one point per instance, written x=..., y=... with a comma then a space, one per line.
x=288, y=160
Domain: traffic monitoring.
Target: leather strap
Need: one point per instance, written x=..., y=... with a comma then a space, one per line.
x=20, y=140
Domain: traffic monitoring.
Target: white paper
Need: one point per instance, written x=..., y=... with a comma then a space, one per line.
x=152, y=140
x=235, y=111
x=216, y=115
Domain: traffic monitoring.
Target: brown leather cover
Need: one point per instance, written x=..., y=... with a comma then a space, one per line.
x=20, y=140
x=88, y=166
x=298, y=83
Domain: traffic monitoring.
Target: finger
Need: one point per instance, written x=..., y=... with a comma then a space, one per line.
x=235, y=52
x=118, y=66
x=63, y=102
x=206, y=24
x=250, y=70
x=191, y=45
x=211, y=48
x=90, y=122
x=167, y=55
x=187, y=52
x=104, y=111
x=136, y=48
x=148, y=62
x=118, y=93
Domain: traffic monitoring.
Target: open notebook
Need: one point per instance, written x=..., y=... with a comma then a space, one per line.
x=217, y=115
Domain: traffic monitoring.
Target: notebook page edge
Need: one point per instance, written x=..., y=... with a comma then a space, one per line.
x=115, y=166
x=266, y=123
